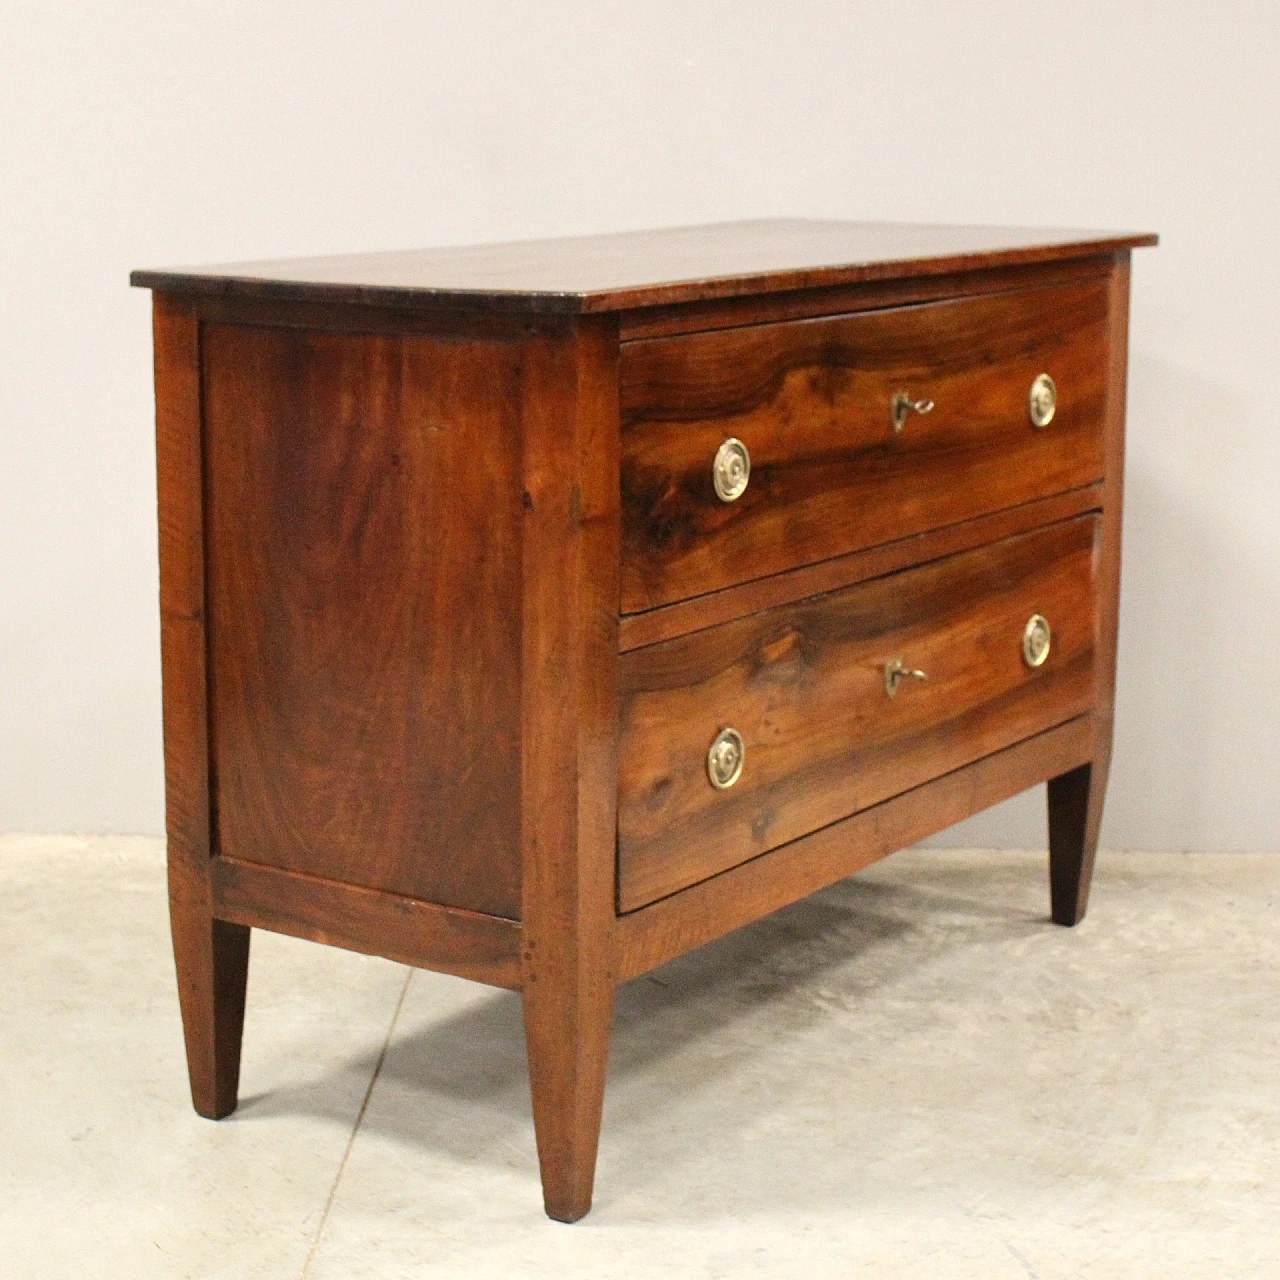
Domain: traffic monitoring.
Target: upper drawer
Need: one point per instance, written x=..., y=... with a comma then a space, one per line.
x=812, y=402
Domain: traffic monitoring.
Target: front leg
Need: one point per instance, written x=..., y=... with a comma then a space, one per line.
x=569, y=732
x=567, y=1017
x=1075, y=816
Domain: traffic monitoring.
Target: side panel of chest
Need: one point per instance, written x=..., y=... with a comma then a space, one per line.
x=362, y=498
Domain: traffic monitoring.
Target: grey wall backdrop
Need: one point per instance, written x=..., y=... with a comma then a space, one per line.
x=154, y=133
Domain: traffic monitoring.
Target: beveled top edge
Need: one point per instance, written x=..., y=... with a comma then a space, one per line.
x=624, y=270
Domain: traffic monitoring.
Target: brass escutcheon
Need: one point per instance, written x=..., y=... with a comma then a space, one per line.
x=731, y=470
x=1036, y=639
x=894, y=670
x=1042, y=400
x=724, y=759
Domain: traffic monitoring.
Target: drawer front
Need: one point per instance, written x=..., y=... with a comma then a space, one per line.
x=805, y=688
x=812, y=403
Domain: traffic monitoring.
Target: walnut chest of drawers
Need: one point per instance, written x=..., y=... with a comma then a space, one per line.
x=538, y=612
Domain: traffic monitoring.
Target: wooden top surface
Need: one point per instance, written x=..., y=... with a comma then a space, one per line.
x=641, y=268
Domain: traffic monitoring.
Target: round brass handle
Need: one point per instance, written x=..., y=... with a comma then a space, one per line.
x=731, y=470
x=902, y=404
x=1042, y=400
x=894, y=670
x=725, y=758
x=1036, y=639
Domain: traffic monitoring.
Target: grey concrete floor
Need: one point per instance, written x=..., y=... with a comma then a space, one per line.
x=910, y=1074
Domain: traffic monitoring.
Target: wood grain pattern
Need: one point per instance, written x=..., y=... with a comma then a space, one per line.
x=211, y=957
x=863, y=295
x=811, y=401
x=465, y=943
x=569, y=743
x=804, y=686
x=363, y=511
x=683, y=616
x=405, y=498
x=688, y=919
x=1076, y=799
x=439, y=323
x=642, y=268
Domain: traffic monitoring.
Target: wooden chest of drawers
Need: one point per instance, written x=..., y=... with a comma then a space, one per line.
x=536, y=613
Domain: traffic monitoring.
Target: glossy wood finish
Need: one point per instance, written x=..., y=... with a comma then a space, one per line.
x=403, y=712
x=642, y=268
x=804, y=686
x=655, y=934
x=811, y=400
x=863, y=295
x=363, y=558
x=683, y=616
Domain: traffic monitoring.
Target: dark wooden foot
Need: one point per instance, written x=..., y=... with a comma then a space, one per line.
x=1075, y=815
x=212, y=959
x=568, y=1043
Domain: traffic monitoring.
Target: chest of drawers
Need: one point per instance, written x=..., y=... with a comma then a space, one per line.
x=536, y=613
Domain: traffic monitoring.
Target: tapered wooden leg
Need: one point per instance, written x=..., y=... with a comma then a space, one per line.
x=212, y=959
x=568, y=1044
x=569, y=728
x=1075, y=816
x=1075, y=798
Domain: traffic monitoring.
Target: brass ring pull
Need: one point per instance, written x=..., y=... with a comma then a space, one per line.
x=725, y=759
x=731, y=470
x=903, y=404
x=1036, y=640
x=1042, y=400
x=894, y=670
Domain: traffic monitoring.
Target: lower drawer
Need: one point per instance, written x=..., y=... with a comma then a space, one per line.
x=824, y=731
